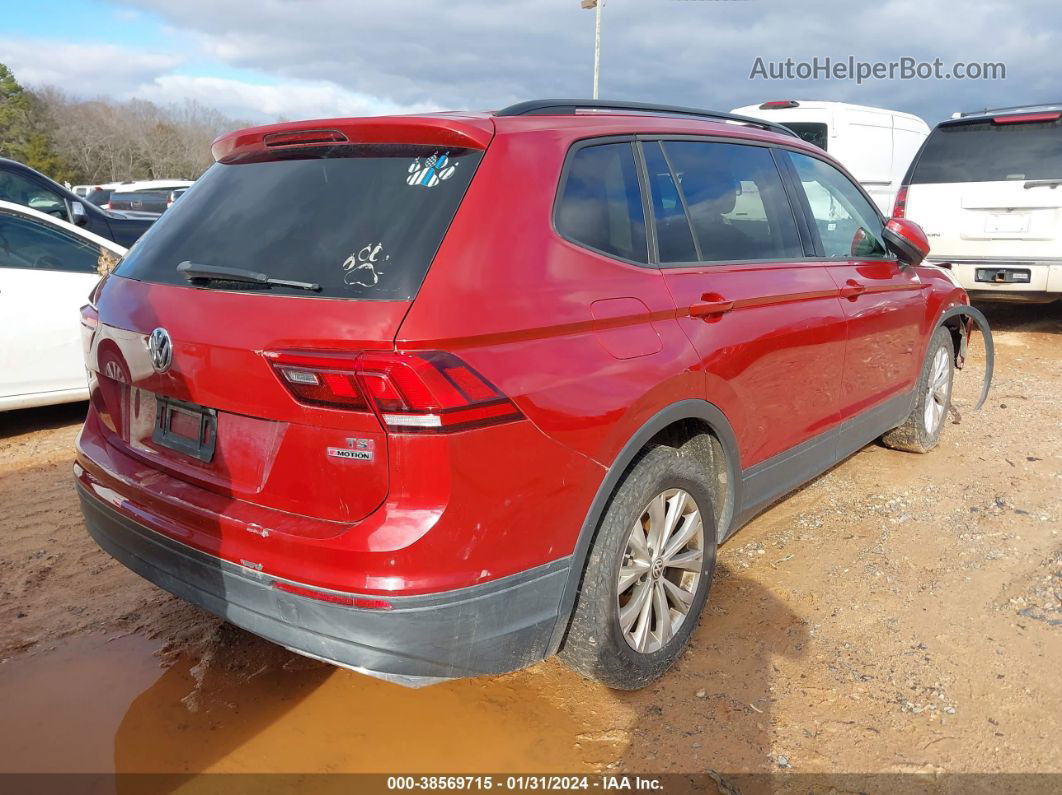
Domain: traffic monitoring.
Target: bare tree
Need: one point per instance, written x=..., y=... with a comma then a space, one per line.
x=105, y=141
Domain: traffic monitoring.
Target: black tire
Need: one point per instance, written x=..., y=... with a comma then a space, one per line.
x=596, y=645
x=915, y=435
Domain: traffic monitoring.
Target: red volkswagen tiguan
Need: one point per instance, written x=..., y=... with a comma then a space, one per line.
x=438, y=396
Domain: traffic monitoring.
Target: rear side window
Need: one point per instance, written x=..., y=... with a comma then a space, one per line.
x=990, y=152
x=364, y=222
x=600, y=203
x=736, y=201
x=674, y=239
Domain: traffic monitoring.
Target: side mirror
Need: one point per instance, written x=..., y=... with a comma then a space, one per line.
x=905, y=239
x=77, y=213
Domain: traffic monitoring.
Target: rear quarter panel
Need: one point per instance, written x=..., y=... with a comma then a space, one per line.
x=514, y=299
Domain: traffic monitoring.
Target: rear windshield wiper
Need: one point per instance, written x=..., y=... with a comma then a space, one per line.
x=193, y=270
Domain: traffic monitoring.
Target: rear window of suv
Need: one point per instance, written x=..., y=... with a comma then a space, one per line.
x=813, y=132
x=363, y=222
x=990, y=152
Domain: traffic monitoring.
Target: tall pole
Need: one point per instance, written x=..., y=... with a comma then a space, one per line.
x=597, y=46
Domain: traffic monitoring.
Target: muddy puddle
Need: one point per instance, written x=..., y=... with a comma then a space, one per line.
x=103, y=705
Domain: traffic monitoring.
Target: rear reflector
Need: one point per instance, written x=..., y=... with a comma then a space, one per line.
x=303, y=137
x=332, y=598
x=1023, y=118
x=429, y=391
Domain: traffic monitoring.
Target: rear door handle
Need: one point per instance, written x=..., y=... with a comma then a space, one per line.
x=710, y=304
x=852, y=288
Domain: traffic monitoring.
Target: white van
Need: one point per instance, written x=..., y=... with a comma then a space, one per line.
x=987, y=189
x=875, y=144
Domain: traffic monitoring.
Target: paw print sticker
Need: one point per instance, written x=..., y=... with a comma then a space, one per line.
x=432, y=171
x=362, y=267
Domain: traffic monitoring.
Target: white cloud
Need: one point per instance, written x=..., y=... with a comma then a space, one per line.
x=485, y=53
x=328, y=57
x=117, y=72
x=288, y=99
x=88, y=70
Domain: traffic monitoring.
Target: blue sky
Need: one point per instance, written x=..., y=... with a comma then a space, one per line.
x=303, y=58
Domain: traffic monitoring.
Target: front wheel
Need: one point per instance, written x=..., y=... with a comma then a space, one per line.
x=921, y=431
x=647, y=574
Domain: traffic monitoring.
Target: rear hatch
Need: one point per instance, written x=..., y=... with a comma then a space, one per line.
x=991, y=187
x=308, y=247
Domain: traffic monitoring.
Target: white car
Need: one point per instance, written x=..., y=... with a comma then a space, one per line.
x=48, y=267
x=987, y=189
x=875, y=144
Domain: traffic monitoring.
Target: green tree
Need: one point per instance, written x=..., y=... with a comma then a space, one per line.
x=25, y=129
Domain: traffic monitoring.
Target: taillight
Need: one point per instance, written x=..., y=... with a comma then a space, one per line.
x=429, y=391
x=90, y=321
x=900, y=208
x=90, y=318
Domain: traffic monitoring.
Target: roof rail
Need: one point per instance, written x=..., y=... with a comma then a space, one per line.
x=569, y=107
x=987, y=111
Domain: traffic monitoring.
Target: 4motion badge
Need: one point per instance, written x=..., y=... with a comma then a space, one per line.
x=356, y=450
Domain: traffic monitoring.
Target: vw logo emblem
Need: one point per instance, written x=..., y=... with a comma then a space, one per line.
x=161, y=349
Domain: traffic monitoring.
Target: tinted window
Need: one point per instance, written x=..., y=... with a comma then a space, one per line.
x=674, y=239
x=150, y=201
x=848, y=224
x=735, y=200
x=601, y=204
x=22, y=190
x=25, y=243
x=988, y=152
x=99, y=197
x=812, y=132
x=362, y=221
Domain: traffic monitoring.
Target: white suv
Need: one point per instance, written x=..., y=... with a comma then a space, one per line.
x=987, y=189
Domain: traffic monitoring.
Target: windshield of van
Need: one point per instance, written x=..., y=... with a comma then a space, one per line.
x=990, y=152
x=362, y=222
x=812, y=132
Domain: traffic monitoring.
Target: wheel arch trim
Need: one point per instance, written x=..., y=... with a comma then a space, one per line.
x=978, y=317
x=692, y=409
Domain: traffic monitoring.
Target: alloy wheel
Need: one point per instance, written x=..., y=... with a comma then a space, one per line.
x=660, y=571
x=937, y=397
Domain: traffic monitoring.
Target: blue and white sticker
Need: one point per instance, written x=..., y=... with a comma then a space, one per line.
x=432, y=171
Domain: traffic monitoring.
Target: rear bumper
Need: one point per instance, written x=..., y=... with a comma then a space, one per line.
x=490, y=628
x=1044, y=284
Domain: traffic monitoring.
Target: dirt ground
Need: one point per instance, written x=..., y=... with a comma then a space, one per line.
x=900, y=613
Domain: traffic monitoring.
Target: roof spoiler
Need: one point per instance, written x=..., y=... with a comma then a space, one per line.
x=439, y=130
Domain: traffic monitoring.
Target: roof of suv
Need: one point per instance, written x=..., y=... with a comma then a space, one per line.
x=990, y=113
x=476, y=129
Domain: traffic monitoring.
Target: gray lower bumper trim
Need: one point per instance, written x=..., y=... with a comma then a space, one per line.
x=492, y=628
